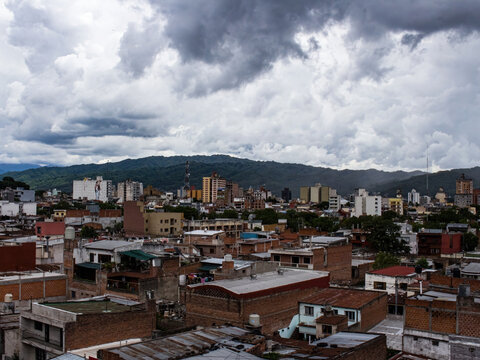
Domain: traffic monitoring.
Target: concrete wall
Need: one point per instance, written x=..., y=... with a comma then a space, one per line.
x=423, y=343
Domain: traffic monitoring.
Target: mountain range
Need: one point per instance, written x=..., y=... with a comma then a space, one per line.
x=167, y=173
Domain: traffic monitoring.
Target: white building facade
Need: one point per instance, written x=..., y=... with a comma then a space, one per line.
x=368, y=204
x=89, y=189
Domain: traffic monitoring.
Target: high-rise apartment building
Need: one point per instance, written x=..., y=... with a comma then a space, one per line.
x=367, y=204
x=214, y=188
x=463, y=192
x=129, y=191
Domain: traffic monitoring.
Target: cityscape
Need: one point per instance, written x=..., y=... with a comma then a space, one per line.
x=239, y=179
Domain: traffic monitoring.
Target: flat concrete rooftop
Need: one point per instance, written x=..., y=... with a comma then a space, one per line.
x=89, y=307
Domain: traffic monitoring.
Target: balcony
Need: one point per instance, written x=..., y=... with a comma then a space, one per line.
x=295, y=265
x=38, y=340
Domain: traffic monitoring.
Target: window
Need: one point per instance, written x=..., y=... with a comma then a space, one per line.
x=326, y=329
x=276, y=257
x=92, y=257
x=38, y=325
x=295, y=260
x=403, y=286
x=212, y=250
x=415, y=338
x=378, y=285
x=306, y=260
x=73, y=294
x=350, y=315
x=435, y=342
x=308, y=310
x=40, y=354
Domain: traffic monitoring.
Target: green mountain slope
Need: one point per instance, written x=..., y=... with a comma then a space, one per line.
x=167, y=173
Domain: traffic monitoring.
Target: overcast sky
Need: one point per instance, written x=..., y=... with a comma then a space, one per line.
x=344, y=84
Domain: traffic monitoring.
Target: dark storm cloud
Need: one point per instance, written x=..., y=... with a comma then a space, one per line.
x=88, y=127
x=245, y=37
x=139, y=47
x=412, y=40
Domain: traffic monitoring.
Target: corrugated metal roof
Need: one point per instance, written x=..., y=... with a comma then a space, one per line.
x=68, y=356
x=187, y=344
x=264, y=281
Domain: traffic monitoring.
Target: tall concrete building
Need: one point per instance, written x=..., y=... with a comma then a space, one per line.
x=89, y=189
x=214, y=188
x=414, y=197
x=367, y=204
x=129, y=191
x=463, y=192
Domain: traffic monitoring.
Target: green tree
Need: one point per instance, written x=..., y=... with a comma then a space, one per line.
x=88, y=232
x=228, y=214
x=384, y=235
x=384, y=259
x=188, y=212
x=469, y=241
x=10, y=182
x=267, y=216
x=62, y=205
x=423, y=263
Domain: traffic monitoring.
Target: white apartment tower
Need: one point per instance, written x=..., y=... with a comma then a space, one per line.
x=367, y=204
x=414, y=197
x=89, y=189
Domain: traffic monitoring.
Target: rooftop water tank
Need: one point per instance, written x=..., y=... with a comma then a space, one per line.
x=254, y=320
x=70, y=233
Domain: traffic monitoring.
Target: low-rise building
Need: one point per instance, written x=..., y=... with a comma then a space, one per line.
x=232, y=227
x=209, y=242
x=392, y=278
x=140, y=222
x=221, y=342
x=363, y=310
x=433, y=317
x=274, y=296
x=436, y=242
x=51, y=329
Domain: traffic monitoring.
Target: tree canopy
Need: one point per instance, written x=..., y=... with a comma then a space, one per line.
x=384, y=259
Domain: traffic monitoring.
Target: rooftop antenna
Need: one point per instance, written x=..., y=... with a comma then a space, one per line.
x=186, y=185
x=427, y=171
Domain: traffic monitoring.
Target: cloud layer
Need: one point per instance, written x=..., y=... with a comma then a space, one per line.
x=344, y=84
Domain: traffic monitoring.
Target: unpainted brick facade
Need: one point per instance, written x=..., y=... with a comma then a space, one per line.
x=94, y=329
x=207, y=307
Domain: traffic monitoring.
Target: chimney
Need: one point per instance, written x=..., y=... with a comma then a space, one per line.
x=227, y=264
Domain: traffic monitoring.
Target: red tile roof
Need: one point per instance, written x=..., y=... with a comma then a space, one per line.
x=395, y=271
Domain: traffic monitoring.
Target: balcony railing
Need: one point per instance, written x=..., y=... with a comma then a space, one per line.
x=295, y=265
x=39, y=338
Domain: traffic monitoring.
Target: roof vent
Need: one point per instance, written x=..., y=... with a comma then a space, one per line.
x=253, y=276
x=280, y=271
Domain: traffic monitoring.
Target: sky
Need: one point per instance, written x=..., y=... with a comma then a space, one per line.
x=343, y=84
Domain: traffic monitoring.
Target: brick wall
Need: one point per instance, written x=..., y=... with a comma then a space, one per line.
x=339, y=263
x=373, y=349
x=17, y=257
x=417, y=314
x=449, y=281
x=374, y=312
x=446, y=317
x=34, y=289
x=95, y=329
x=275, y=310
x=133, y=221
